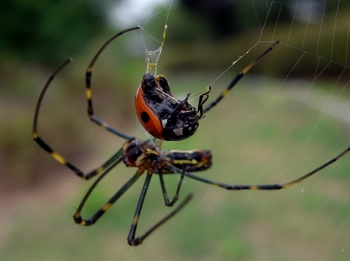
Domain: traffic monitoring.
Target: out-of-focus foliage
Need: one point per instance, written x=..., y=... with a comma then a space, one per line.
x=41, y=31
x=197, y=41
x=220, y=19
x=224, y=18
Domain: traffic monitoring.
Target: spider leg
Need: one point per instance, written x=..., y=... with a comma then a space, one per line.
x=202, y=99
x=88, y=76
x=132, y=241
x=238, y=77
x=93, y=219
x=56, y=155
x=269, y=186
x=165, y=193
x=136, y=241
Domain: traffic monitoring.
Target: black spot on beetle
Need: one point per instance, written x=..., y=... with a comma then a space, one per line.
x=144, y=116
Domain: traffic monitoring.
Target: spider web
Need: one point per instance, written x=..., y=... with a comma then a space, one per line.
x=298, y=119
x=273, y=129
x=275, y=125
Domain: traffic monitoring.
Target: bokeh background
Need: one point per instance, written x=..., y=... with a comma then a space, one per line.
x=287, y=116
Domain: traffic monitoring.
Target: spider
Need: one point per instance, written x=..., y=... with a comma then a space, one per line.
x=148, y=157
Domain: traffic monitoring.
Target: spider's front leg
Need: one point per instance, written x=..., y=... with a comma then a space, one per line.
x=116, y=157
x=239, y=76
x=88, y=76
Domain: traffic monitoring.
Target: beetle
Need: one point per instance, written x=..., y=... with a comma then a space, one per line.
x=163, y=115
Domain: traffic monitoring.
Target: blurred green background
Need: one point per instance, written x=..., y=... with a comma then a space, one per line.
x=287, y=116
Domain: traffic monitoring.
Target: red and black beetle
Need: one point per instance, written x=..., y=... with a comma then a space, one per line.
x=162, y=114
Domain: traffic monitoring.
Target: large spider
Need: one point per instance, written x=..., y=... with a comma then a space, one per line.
x=148, y=157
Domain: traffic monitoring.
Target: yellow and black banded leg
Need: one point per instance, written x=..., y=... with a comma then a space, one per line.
x=88, y=76
x=116, y=157
x=136, y=241
x=269, y=186
x=132, y=241
x=165, y=193
x=238, y=77
x=93, y=219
